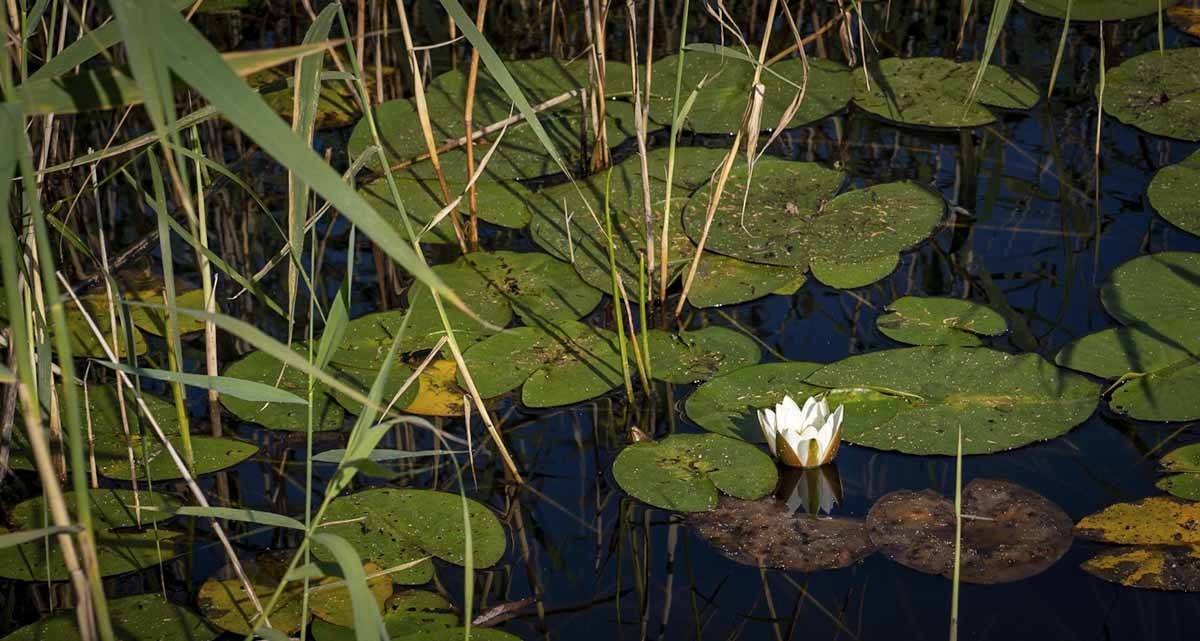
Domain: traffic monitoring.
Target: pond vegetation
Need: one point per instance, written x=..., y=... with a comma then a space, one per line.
x=416, y=321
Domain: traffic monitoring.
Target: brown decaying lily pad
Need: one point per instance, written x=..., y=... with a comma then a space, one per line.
x=766, y=534
x=1009, y=533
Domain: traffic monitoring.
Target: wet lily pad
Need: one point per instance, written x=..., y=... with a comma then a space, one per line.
x=392, y=527
x=363, y=378
x=1096, y=10
x=728, y=404
x=920, y=320
x=698, y=355
x=766, y=534
x=1154, y=288
x=144, y=617
x=683, y=472
x=1153, y=567
x=559, y=365
x=1157, y=93
x=502, y=203
x=933, y=92
x=1001, y=401
x=854, y=275
x=439, y=394
x=1157, y=520
x=1172, y=193
x=225, y=603
x=1012, y=534
x=721, y=280
x=118, y=549
x=719, y=105
x=260, y=367
x=410, y=612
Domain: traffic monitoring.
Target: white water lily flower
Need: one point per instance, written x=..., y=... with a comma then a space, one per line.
x=806, y=437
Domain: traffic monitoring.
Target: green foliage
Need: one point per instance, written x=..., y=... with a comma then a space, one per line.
x=917, y=320
x=936, y=92
x=1152, y=91
x=683, y=472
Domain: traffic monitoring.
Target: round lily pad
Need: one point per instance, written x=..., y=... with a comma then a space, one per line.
x=363, y=379
x=728, y=78
x=1157, y=520
x=225, y=603
x=683, y=472
x=784, y=199
x=1183, y=459
x=1000, y=401
x=698, y=355
x=1172, y=193
x=1012, y=534
x=1154, y=288
x=918, y=320
x=860, y=228
x=1152, y=567
x=1185, y=486
x=118, y=549
x=540, y=288
x=425, y=325
x=559, y=365
x=1157, y=93
x=1155, y=364
x=728, y=404
x=209, y=454
x=933, y=92
x=502, y=203
x=854, y=275
x=406, y=613
x=143, y=617
x=766, y=534
x=721, y=280
x=392, y=527
x=1096, y=10
x=261, y=367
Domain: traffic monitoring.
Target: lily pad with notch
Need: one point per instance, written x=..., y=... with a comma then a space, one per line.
x=766, y=534
x=409, y=612
x=1000, y=401
x=919, y=320
x=118, y=549
x=935, y=92
x=1011, y=534
x=728, y=82
x=142, y=617
x=721, y=280
x=561, y=364
x=854, y=275
x=1157, y=93
x=261, y=367
x=683, y=472
x=393, y=527
x=698, y=355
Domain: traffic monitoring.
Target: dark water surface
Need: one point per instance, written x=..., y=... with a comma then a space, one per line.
x=1033, y=238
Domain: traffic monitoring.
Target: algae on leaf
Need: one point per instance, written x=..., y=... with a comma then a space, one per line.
x=934, y=92
x=1157, y=93
x=918, y=320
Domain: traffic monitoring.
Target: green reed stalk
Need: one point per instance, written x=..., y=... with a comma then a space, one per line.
x=954, y=582
x=664, y=246
x=616, y=288
x=1062, y=45
x=643, y=292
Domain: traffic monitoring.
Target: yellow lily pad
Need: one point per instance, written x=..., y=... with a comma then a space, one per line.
x=1157, y=520
x=1159, y=567
x=439, y=394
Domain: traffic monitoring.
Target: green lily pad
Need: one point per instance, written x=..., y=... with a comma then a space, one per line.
x=1157, y=366
x=558, y=365
x=933, y=92
x=502, y=203
x=1000, y=401
x=144, y=617
x=1155, y=288
x=260, y=367
x=209, y=454
x=117, y=552
x=784, y=198
x=1096, y=10
x=1185, y=461
x=1172, y=193
x=454, y=634
x=568, y=221
x=391, y=527
x=84, y=342
x=721, y=280
x=718, y=107
x=918, y=320
x=539, y=287
x=683, y=472
x=337, y=105
x=698, y=355
x=425, y=327
x=362, y=378
x=153, y=320
x=854, y=275
x=410, y=612
x=1157, y=93
x=728, y=404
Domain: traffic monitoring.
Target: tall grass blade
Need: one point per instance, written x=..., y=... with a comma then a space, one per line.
x=235, y=387
x=995, y=28
x=368, y=625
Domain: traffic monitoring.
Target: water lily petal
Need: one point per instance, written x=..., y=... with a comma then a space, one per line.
x=766, y=420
